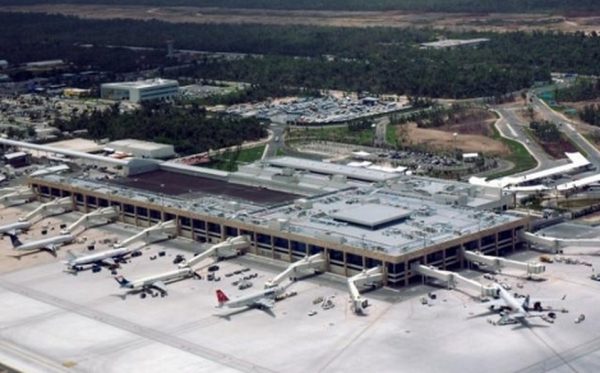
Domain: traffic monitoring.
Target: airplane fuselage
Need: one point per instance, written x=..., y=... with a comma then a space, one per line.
x=13, y=227
x=164, y=277
x=252, y=299
x=43, y=243
x=98, y=257
x=512, y=303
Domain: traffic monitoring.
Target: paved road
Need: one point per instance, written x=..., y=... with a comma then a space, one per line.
x=566, y=127
x=380, y=130
x=513, y=127
x=276, y=141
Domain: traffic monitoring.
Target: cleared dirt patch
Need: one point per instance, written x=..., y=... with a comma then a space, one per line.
x=557, y=149
x=453, y=21
x=437, y=139
x=472, y=121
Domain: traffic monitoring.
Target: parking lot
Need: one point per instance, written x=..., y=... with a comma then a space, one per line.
x=55, y=321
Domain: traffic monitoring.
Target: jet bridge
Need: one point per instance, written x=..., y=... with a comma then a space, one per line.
x=54, y=207
x=316, y=262
x=160, y=231
x=368, y=277
x=454, y=280
x=58, y=206
x=498, y=263
x=231, y=247
x=97, y=217
x=16, y=196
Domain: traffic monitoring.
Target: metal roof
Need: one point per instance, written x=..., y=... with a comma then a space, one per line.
x=371, y=214
x=141, y=84
x=577, y=161
x=332, y=169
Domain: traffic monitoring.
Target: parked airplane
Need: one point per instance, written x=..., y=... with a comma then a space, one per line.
x=514, y=309
x=158, y=282
x=14, y=228
x=50, y=244
x=107, y=257
x=263, y=299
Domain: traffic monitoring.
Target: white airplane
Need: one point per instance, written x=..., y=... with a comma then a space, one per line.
x=158, y=282
x=263, y=299
x=107, y=257
x=14, y=228
x=514, y=309
x=50, y=244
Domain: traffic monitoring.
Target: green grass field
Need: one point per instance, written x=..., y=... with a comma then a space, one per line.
x=229, y=161
x=519, y=156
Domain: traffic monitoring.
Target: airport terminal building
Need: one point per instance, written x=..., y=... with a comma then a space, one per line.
x=291, y=207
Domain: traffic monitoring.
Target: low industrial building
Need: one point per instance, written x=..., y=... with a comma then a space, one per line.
x=17, y=159
x=292, y=208
x=138, y=91
x=453, y=43
x=45, y=65
x=142, y=149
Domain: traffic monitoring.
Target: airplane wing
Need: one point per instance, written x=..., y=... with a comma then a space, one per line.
x=496, y=303
x=518, y=315
x=160, y=286
x=265, y=303
x=546, y=300
x=108, y=262
x=51, y=249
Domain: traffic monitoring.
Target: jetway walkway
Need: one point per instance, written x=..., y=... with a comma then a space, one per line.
x=94, y=218
x=56, y=207
x=315, y=262
x=557, y=245
x=369, y=277
x=158, y=232
x=16, y=196
x=67, y=236
x=232, y=246
x=455, y=280
x=498, y=263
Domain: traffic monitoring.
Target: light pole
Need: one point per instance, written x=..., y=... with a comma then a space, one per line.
x=162, y=201
x=455, y=136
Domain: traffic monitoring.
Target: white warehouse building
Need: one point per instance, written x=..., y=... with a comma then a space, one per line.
x=141, y=90
x=142, y=149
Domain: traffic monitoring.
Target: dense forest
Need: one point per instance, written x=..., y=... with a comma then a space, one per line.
x=582, y=90
x=255, y=93
x=590, y=114
x=545, y=131
x=411, y=5
x=449, y=79
x=371, y=59
x=190, y=129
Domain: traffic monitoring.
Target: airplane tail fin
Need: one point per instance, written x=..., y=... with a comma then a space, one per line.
x=121, y=280
x=14, y=239
x=221, y=297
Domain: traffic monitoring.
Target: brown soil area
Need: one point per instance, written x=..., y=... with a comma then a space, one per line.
x=557, y=149
x=580, y=104
x=471, y=122
x=443, y=140
x=452, y=21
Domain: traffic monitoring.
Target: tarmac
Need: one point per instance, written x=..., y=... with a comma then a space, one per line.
x=53, y=321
